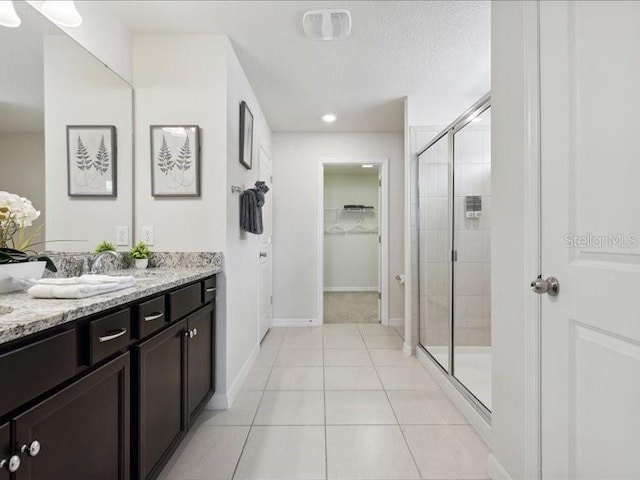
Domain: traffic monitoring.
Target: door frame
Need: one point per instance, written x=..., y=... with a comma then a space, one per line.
x=383, y=163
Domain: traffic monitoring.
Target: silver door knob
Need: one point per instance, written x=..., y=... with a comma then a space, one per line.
x=263, y=254
x=13, y=464
x=32, y=449
x=549, y=285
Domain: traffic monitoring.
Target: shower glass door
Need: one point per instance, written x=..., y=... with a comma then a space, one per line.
x=434, y=177
x=472, y=265
x=454, y=195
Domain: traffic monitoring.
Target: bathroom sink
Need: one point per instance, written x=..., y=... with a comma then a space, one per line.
x=4, y=310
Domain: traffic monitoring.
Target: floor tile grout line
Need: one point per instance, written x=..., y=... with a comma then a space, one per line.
x=324, y=397
x=246, y=440
x=415, y=463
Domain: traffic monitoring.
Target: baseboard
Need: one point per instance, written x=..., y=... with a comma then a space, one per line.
x=222, y=401
x=496, y=471
x=470, y=413
x=396, y=322
x=407, y=350
x=295, y=322
x=351, y=289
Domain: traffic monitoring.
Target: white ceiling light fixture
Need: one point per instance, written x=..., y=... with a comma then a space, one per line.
x=62, y=12
x=328, y=118
x=329, y=24
x=8, y=16
x=367, y=165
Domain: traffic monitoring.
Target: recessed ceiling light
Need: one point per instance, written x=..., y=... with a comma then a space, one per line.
x=329, y=118
x=8, y=16
x=62, y=12
x=367, y=165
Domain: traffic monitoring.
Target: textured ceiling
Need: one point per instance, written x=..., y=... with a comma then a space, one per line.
x=396, y=49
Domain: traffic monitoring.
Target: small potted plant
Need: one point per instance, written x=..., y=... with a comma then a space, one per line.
x=140, y=254
x=105, y=247
x=18, y=260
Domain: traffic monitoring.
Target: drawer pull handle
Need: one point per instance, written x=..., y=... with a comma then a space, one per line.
x=113, y=336
x=211, y=289
x=32, y=449
x=153, y=316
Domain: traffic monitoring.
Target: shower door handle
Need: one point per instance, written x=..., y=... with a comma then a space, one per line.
x=550, y=286
x=263, y=254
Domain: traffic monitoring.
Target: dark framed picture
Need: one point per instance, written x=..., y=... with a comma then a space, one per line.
x=92, y=160
x=175, y=160
x=246, y=136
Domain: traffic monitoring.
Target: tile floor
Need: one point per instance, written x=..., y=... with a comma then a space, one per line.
x=333, y=402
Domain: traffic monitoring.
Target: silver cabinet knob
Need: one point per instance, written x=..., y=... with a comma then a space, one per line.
x=32, y=449
x=195, y=332
x=550, y=286
x=12, y=464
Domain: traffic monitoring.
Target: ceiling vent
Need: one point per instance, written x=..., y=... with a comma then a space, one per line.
x=327, y=24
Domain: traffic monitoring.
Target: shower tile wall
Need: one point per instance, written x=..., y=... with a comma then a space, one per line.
x=472, y=176
x=434, y=252
x=419, y=137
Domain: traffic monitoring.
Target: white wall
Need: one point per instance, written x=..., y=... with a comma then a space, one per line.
x=295, y=171
x=242, y=249
x=508, y=421
x=351, y=261
x=181, y=80
x=22, y=166
x=78, y=90
x=103, y=35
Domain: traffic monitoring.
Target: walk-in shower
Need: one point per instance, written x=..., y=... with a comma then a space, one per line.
x=454, y=218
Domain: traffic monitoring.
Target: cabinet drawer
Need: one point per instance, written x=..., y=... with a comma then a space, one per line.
x=184, y=301
x=109, y=334
x=34, y=369
x=209, y=290
x=150, y=316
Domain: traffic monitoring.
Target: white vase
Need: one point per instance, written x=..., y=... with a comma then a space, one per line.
x=141, y=263
x=10, y=272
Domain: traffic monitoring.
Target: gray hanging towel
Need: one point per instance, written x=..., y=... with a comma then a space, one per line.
x=251, y=203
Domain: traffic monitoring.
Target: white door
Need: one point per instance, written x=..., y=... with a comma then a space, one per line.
x=266, y=290
x=590, y=201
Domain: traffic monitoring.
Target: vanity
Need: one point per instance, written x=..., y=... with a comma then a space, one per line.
x=105, y=387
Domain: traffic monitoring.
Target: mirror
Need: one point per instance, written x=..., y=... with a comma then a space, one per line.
x=66, y=125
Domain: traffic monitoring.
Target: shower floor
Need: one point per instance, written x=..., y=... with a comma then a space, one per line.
x=351, y=307
x=472, y=369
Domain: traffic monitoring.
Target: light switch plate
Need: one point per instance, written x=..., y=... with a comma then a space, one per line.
x=122, y=235
x=147, y=235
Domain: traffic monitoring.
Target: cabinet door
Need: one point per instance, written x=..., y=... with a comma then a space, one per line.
x=5, y=451
x=200, y=367
x=81, y=432
x=161, y=398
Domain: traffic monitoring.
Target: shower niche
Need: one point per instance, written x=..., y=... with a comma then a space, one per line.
x=454, y=254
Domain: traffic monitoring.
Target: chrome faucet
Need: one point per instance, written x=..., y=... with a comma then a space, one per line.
x=96, y=265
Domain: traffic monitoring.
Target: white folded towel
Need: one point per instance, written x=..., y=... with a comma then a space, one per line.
x=86, y=280
x=77, y=290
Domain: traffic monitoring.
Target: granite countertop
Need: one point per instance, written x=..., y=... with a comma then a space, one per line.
x=21, y=315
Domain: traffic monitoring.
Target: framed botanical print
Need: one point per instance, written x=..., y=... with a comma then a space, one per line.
x=92, y=160
x=175, y=160
x=246, y=136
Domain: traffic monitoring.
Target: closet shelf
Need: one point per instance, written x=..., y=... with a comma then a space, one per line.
x=340, y=209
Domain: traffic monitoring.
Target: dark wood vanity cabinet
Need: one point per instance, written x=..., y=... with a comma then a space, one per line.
x=175, y=381
x=81, y=432
x=6, y=452
x=109, y=397
x=200, y=370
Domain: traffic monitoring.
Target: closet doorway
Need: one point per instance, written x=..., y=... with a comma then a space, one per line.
x=352, y=265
